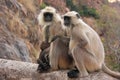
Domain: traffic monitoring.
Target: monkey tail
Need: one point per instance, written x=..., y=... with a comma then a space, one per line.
x=110, y=72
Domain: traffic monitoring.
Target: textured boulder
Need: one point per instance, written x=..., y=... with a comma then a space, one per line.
x=12, y=47
x=16, y=70
x=19, y=40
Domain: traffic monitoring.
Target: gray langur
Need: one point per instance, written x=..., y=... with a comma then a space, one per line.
x=52, y=32
x=85, y=46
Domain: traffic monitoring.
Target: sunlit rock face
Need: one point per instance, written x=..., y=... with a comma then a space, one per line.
x=91, y=3
x=12, y=47
x=112, y=1
x=12, y=33
x=60, y=5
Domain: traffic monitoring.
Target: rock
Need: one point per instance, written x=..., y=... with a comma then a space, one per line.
x=21, y=50
x=8, y=52
x=19, y=32
x=60, y=5
x=95, y=4
x=12, y=47
x=16, y=70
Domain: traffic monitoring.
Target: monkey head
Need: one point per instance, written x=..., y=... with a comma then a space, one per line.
x=71, y=18
x=47, y=16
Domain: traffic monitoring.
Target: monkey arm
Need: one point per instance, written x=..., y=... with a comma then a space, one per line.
x=44, y=45
x=80, y=36
x=83, y=40
x=46, y=33
x=61, y=37
x=54, y=38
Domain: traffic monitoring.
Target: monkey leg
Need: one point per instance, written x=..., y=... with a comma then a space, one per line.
x=84, y=61
x=54, y=56
x=59, y=57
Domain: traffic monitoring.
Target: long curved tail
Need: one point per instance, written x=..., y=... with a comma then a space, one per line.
x=110, y=72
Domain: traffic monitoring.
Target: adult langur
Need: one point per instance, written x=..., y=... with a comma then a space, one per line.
x=85, y=46
x=52, y=31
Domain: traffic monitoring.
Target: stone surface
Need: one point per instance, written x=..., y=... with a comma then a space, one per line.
x=16, y=70
x=60, y=5
x=19, y=40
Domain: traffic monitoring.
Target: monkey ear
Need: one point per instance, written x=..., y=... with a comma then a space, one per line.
x=78, y=16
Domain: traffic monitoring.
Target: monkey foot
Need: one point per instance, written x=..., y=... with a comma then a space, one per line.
x=73, y=74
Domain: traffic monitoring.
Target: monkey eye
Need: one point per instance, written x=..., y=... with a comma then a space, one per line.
x=67, y=18
x=48, y=14
x=78, y=16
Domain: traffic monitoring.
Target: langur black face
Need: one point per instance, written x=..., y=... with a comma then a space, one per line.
x=67, y=20
x=48, y=17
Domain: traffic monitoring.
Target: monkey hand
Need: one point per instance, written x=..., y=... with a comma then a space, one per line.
x=80, y=46
x=54, y=38
x=44, y=45
x=43, y=67
x=82, y=43
x=66, y=40
x=88, y=49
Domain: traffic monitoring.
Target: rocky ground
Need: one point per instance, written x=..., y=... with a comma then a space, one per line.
x=16, y=70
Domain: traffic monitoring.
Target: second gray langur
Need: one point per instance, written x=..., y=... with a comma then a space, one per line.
x=85, y=46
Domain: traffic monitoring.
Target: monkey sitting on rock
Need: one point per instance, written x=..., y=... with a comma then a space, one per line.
x=56, y=57
x=85, y=47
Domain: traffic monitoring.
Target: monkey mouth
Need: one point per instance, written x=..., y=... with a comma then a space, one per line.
x=48, y=20
x=67, y=24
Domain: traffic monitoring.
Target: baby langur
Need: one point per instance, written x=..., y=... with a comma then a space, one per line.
x=52, y=33
x=85, y=46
